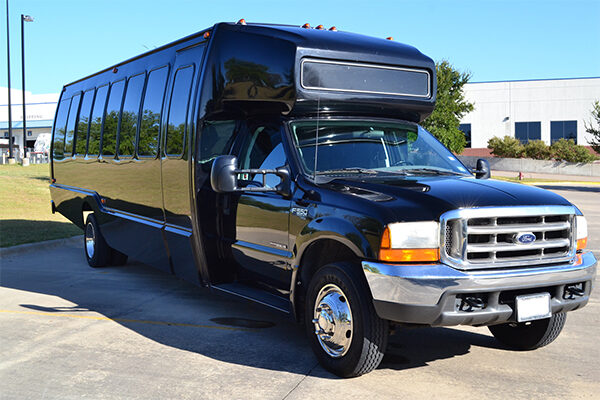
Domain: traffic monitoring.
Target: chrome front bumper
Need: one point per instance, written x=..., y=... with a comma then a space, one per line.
x=430, y=294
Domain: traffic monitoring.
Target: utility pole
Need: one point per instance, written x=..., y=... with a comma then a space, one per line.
x=24, y=18
x=11, y=159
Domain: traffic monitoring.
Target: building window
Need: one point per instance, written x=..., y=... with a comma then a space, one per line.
x=466, y=129
x=528, y=131
x=29, y=133
x=563, y=130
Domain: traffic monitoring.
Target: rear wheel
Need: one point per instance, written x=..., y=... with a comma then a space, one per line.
x=530, y=335
x=346, y=334
x=97, y=252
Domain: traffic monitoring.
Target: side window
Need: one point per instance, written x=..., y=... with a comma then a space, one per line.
x=83, y=123
x=111, y=118
x=58, y=136
x=96, y=121
x=151, y=112
x=263, y=149
x=70, y=133
x=215, y=140
x=129, y=115
x=180, y=99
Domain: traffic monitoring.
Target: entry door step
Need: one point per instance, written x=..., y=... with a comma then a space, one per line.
x=256, y=295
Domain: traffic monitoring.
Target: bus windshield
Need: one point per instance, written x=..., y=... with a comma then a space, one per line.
x=351, y=146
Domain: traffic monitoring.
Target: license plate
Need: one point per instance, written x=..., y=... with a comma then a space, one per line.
x=533, y=306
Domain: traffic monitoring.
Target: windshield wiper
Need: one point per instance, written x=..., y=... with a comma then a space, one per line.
x=431, y=171
x=350, y=170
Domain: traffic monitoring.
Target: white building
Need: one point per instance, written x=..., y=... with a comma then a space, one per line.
x=40, y=109
x=528, y=110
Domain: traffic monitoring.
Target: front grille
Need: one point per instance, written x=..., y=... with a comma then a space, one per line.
x=495, y=237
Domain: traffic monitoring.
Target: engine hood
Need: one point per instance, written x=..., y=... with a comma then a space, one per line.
x=425, y=198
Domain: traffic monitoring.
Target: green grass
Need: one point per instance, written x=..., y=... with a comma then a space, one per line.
x=25, y=214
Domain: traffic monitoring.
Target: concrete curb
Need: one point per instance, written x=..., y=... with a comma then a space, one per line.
x=27, y=247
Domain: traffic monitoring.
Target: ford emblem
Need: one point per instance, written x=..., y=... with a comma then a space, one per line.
x=525, y=238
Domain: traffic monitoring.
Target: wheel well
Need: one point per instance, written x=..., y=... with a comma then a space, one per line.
x=318, y=254
x=86, y=209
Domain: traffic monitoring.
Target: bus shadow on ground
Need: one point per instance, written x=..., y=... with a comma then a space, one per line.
x=175, y=313
x=20, y=231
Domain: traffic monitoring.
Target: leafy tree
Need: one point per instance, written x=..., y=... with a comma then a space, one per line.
x=450, y=107
x=595, y=132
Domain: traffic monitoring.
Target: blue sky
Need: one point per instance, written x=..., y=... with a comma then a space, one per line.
x=494, y=40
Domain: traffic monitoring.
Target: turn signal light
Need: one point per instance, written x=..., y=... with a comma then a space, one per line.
x=386, y=253
x=581, y=243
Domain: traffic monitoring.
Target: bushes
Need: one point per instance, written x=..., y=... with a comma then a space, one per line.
x=506, y=147
x=567, y=150
x=561, y=150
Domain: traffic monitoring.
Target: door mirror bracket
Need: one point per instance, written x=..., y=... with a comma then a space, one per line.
x=224, y=177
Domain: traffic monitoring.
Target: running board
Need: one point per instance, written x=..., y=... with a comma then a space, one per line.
x=255, y=295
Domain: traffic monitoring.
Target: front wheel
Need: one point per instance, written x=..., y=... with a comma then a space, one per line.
x=529, y=335
x=97, y=252
x=347, y=336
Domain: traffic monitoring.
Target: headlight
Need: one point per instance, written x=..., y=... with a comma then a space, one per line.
x=411, y=242
x=582, y=233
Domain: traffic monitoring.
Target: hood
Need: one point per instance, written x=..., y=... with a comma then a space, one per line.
x=423, y=198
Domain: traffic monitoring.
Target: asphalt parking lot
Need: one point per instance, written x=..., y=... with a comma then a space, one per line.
x=68, y=331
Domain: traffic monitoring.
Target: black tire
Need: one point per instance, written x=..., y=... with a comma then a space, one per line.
x=529, y=335
x=97, y=252
x=369, y=332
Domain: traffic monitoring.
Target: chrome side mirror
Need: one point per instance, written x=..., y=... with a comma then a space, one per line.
x=224, y=177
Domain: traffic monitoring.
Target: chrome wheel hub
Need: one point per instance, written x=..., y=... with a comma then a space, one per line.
x=90, y=240
x=332, y=319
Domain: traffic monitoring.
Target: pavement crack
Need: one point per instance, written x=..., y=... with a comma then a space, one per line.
x=301, y=380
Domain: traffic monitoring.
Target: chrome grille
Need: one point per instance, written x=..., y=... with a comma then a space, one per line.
x=489, y=237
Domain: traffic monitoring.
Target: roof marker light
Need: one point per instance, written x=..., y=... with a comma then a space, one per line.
x=115, y=69
x=333, y=28
x=206, y=35
x=306, y=25
x=389, y=38
x=241, y=22
x=320, y=27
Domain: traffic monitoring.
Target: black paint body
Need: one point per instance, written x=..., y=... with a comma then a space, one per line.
x=162, y=210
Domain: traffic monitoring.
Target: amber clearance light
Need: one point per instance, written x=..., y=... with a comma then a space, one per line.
x=410, y=242
x=581, y=232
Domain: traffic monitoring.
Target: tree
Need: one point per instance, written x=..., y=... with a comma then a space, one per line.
x=595, y=132
x=450, y=107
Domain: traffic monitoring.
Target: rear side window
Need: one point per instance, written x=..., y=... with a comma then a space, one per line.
x=111, y=119
x=151, y=112
x=96, y=121
x=180, y=99
x=83, y=124
x=130, y=114
x=70, y=133
x=58, y=137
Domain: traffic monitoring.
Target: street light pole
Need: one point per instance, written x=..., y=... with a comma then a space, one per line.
x=24, y=18
x=11, y=159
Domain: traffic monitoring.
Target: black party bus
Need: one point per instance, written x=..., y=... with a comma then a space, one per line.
x=285, y=165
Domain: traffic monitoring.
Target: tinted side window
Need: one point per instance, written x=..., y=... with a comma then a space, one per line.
x=58, y=145
x=70, y=133
x=96, y=121
x=178, y=109
x=264, y=150
x=150, y=124
x=111, y=118
x=215, y=140
x=84, y=122
x=130, y=113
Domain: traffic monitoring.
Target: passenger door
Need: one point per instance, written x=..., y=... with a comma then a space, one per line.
x=261, y=246
x=175, y=156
